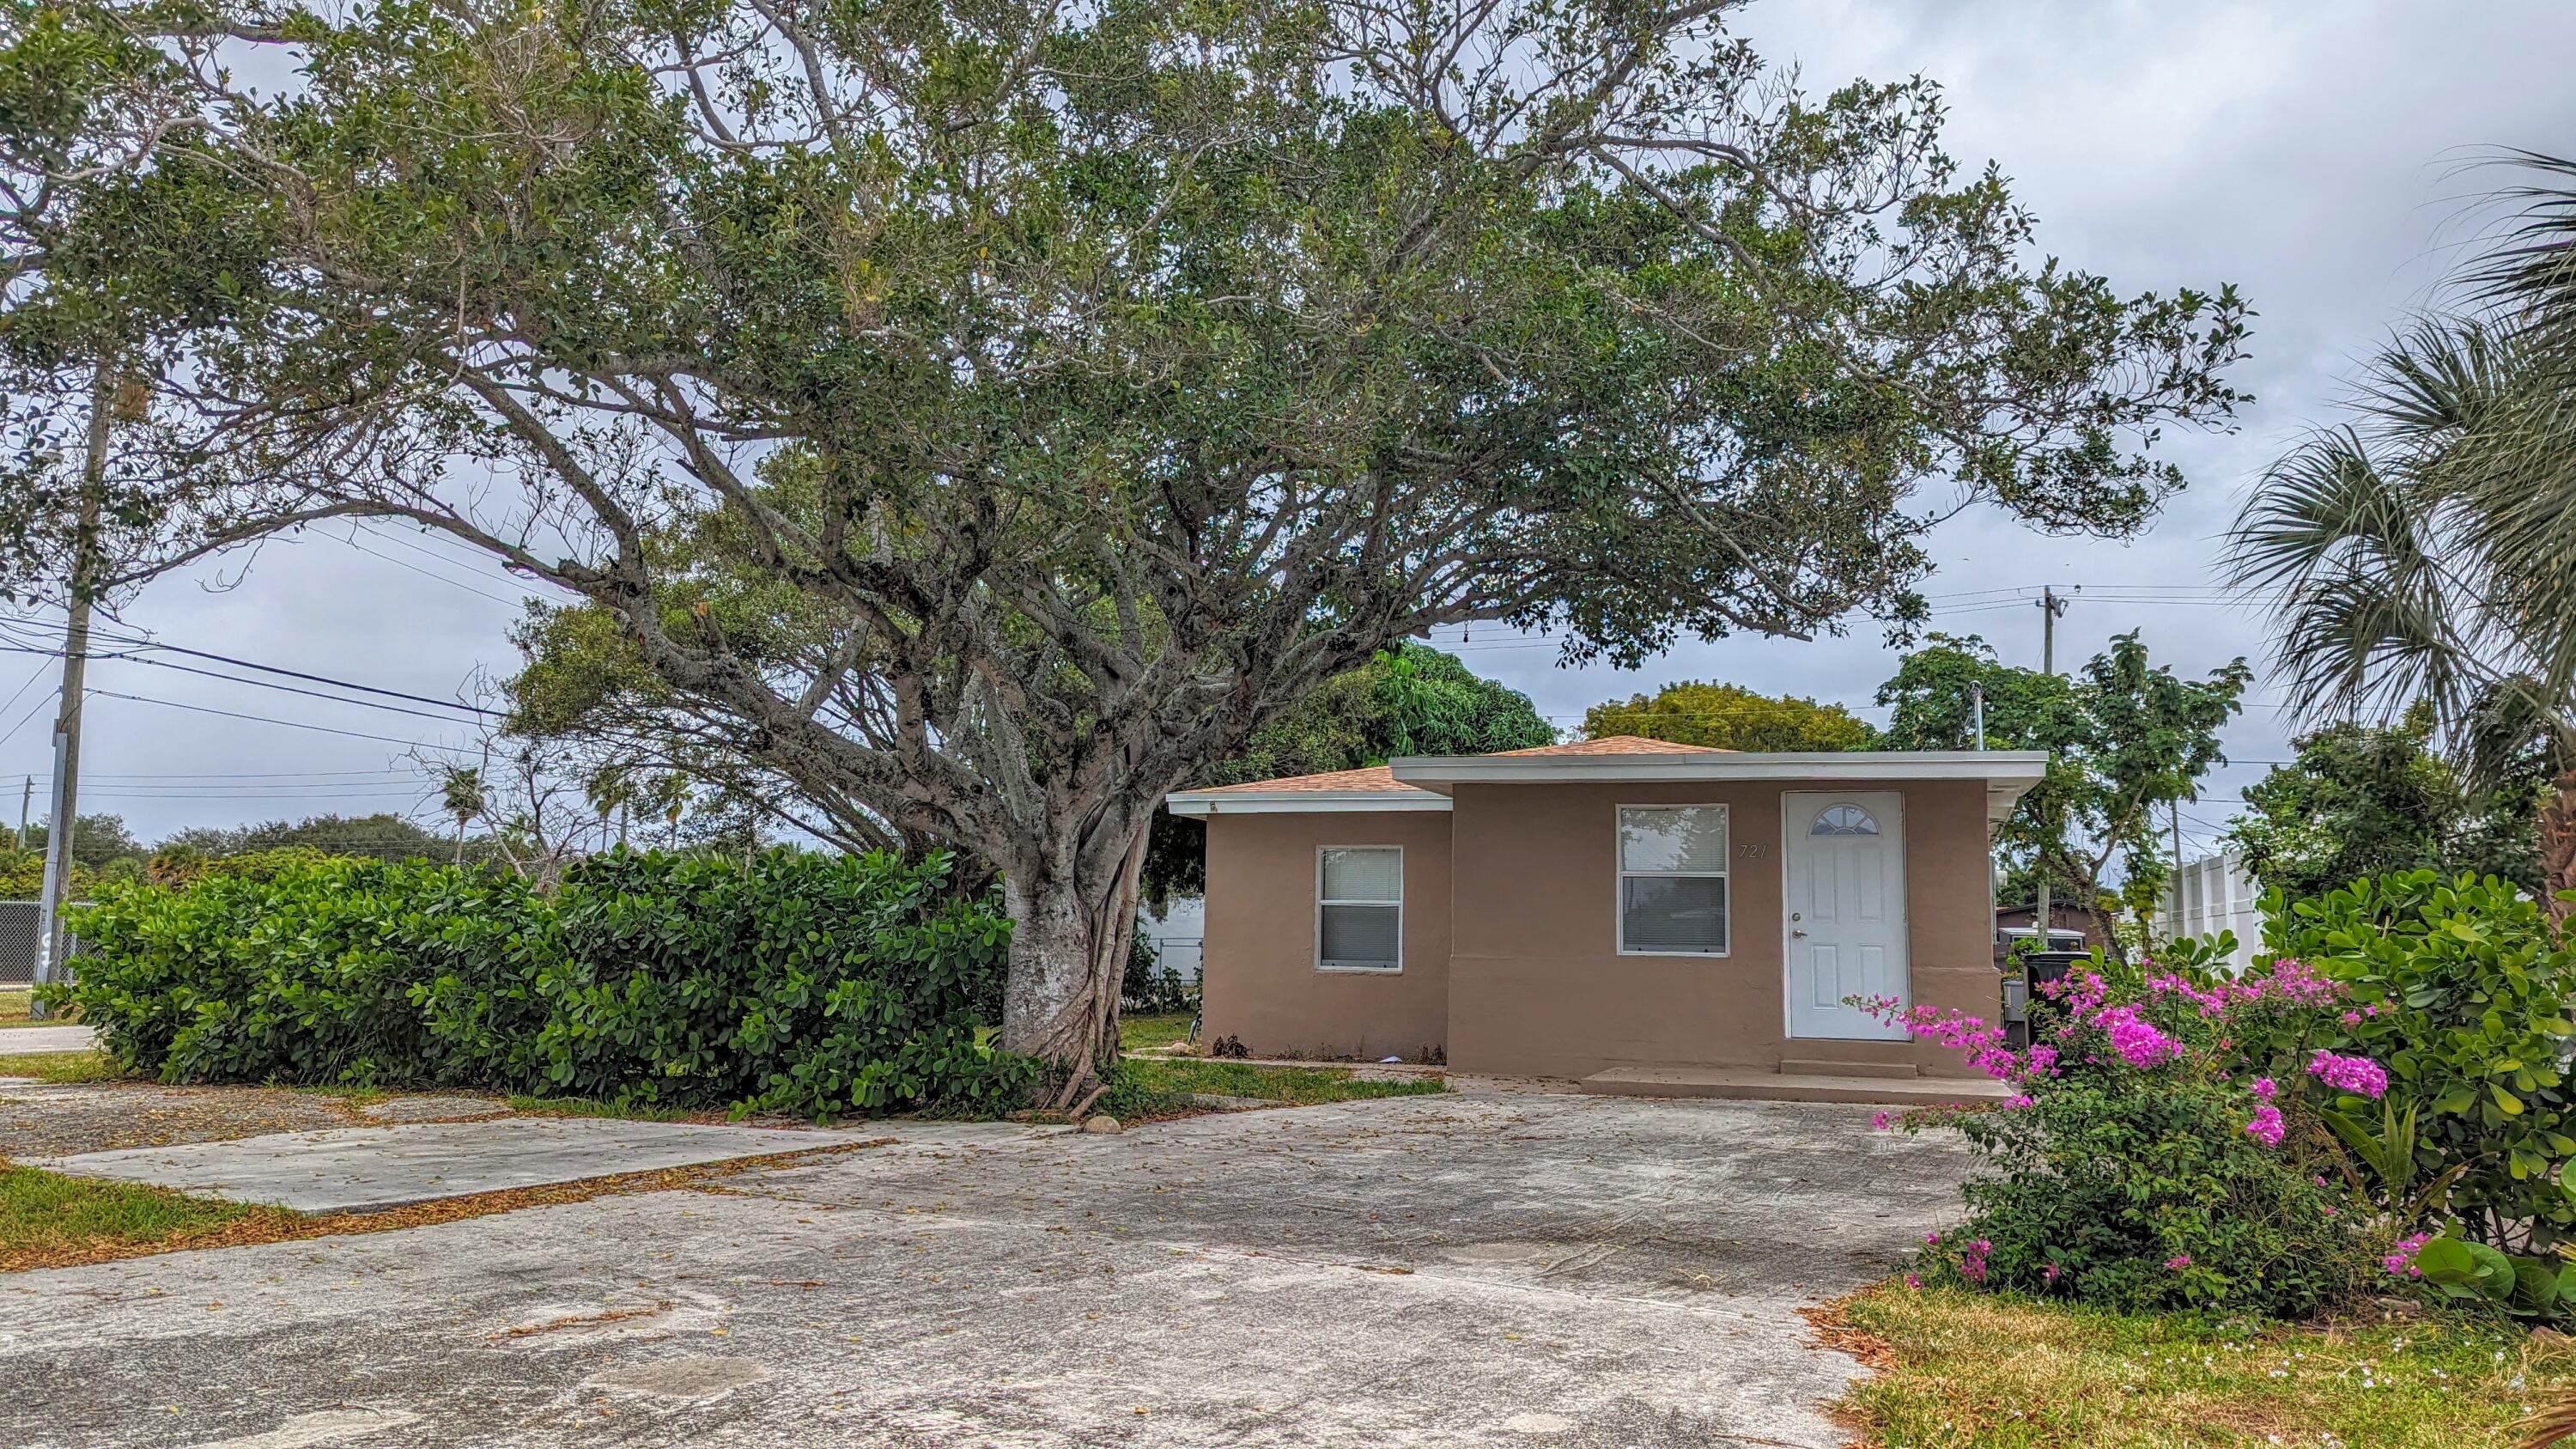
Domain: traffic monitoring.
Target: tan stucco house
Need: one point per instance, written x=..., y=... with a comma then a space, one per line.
x=1615, y=909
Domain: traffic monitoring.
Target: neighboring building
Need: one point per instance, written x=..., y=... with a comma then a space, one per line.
x=2073, y=928
x=1615, y=905
x=2211, y=895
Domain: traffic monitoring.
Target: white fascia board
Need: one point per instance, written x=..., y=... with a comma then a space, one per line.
x=2017, y=770
x=1201, y=804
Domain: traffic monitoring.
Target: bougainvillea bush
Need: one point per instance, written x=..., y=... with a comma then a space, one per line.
x=2149, y=1159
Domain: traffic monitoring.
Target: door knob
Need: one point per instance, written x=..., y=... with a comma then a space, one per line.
x=1797, y=933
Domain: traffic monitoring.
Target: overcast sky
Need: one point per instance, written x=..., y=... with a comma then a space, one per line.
x=2310, y=154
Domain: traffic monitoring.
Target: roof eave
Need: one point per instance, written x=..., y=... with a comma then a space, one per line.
x=1200, y=804
x=2009, y=771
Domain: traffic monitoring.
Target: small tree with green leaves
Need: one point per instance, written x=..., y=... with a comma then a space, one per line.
x=2123, y=737
x=1730, y=717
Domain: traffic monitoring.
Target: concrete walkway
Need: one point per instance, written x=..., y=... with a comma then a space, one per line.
x=1462, y=1270
x=365, y=1169
x=21, y=1041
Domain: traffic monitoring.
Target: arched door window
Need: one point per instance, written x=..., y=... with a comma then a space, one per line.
x=1843, y=820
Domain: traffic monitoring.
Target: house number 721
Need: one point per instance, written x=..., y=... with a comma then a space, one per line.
x=1754, y=849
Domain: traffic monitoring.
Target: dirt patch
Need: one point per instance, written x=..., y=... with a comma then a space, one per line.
x=1836, y=1332
x=47, y=1121
x=277, y=1225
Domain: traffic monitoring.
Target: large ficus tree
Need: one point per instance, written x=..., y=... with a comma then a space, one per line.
x=1092, y=381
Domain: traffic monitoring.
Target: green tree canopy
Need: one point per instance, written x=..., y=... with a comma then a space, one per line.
x=1410, y=700
x=1099, y=381
x=2365, y=800
x=2123, y=738
x=1730, y=717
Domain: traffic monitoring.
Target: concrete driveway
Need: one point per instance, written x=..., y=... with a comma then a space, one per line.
x=1495, y=1268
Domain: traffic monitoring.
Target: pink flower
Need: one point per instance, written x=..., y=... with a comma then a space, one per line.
x=1913, y=1280
x=2137, y=1040
x=2402, y=1262
x=1880, y=1120
x=1981, y=1247
x=2352, y=1074
x=2178, y=1261
x=2264, y=1088
x=2350, y=1018
x=1973, y=1269
x=2266, y=1127
x=2049, y=1274
x=1932, y=1238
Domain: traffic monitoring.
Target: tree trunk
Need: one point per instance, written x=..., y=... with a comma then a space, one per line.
x=2558, y=848
x=1070, y=930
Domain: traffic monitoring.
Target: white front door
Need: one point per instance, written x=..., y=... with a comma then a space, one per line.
x=1843, y=860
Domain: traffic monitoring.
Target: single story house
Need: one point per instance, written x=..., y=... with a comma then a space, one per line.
x=1613, y=905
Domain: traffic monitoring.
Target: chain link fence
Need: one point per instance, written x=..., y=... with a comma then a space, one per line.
x=18, y=945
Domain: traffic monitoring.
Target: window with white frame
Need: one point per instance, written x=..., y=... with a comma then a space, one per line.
x=1359, y=908
x=1672, y=880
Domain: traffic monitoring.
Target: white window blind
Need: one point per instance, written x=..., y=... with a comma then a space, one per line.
x=1672, y=880
x=1359, y=908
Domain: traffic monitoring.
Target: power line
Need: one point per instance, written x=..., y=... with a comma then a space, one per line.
x=307, y=693
x=145, y=641
x=289, y=723
x=451, y=582
x=32, y=711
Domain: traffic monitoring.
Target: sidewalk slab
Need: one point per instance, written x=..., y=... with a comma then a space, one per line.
x=365, y=1169
x=24, y=1041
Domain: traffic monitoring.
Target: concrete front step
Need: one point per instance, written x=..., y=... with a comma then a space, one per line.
x=1751, y=1084
x=1826, y=1067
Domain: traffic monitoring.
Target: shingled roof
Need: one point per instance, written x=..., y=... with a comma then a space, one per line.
x=1378, y=778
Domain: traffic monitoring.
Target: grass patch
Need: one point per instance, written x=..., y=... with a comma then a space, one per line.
x=1152, y=1033
x=611, y=1107
x=1149, y=1087
x=1961, y=1369
x=62, y=1067
x=46, y=1215
x=54, y=1238
x=16, y=1009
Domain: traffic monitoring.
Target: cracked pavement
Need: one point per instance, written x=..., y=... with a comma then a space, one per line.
x=1475, y=1268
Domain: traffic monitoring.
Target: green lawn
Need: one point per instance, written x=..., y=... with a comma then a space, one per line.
x=1149, y=1087
x=45, y=1216
x=1151, y=1033
x=1973, y=1369
x=89, y=1066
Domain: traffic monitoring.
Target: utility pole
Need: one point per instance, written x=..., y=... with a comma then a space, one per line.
x=67, y=722
x=2050, y=606
x=26, y=797
x=1977, y=705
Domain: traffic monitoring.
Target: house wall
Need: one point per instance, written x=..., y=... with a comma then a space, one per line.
x=1537, y=985
x=1258, y=953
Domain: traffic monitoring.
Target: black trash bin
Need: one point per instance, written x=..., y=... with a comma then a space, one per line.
x=2042, y=968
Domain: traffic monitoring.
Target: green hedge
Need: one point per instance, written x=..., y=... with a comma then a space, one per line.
x=800, y=983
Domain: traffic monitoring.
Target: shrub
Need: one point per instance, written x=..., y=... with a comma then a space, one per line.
x=1149, y=987
x=2468, y=994
x=800, y=983
x=2146, y=1162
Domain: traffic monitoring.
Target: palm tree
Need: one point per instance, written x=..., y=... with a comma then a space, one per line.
x=2427, y=547
x=461, y=790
